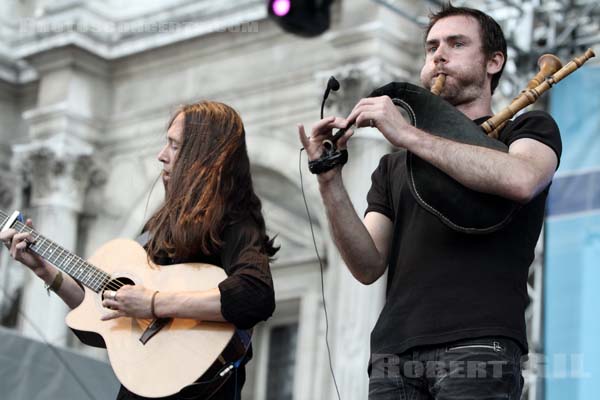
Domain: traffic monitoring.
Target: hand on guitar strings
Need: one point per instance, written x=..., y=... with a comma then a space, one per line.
x=128, y=301
x=18, y=246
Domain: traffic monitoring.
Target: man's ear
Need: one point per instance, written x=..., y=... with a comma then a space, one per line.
x=495, y=63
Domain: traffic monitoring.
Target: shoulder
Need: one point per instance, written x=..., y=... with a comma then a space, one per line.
x=536, y=117
x=390, y=171
x=532, y=123
x=391, y=164
x=537, y=125
x=393, y=160
x=244, y=228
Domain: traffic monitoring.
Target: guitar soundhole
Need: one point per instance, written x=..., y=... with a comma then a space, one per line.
x=116, y=284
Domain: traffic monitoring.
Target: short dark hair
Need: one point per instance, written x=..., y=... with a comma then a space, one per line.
x=492, y=37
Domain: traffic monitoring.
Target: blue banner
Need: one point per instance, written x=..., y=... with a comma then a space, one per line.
x=572, y=245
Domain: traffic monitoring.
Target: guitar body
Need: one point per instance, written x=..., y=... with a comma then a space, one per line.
x=181, y=352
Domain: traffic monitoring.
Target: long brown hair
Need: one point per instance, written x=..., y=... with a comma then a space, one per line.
x=210, y=186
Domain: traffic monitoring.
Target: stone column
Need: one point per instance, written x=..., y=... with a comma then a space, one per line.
x=58, y=182
x=58, y=163
x=11, y=278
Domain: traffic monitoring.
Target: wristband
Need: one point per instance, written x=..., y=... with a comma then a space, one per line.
x=56, y=283
x=328, y=161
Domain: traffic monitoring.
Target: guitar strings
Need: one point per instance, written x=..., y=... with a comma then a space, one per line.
x=112, y=284
x=28, y=229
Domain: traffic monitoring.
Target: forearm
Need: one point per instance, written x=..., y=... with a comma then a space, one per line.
x=203, y=306
x=69, y=291
x=478, y=168
x=350, y=235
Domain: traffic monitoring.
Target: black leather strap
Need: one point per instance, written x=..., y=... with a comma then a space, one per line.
x=328, y=161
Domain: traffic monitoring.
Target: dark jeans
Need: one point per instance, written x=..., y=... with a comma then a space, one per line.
x=483, y=369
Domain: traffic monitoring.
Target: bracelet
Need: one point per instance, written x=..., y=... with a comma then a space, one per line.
x=152, y=305
x=56, y=283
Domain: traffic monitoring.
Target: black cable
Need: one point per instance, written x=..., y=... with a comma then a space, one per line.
x=54, y=350
x=337, y=390
x=219, y=375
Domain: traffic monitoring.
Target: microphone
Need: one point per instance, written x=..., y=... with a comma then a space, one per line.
x=331, y=156
x=332, y=84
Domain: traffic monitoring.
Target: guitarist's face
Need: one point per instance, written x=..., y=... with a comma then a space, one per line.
x=168, y=153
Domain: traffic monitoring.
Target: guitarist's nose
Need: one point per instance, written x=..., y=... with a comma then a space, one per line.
x=163, y=154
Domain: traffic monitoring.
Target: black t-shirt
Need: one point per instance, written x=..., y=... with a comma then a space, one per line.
x=444, y=285
x=247, y=295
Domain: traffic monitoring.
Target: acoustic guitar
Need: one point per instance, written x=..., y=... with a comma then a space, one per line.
x=151, y=358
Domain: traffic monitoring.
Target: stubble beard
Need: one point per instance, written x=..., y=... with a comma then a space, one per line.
x=465, y=87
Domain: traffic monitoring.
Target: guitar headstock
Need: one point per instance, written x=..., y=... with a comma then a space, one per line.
x=8, y=221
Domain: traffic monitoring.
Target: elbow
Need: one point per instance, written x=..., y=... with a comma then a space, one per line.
x=262, y=309
x=253, y=304
x=370, y=274
x=521, y=196
x=269, y=306
x=368, y=280
x=523, y=191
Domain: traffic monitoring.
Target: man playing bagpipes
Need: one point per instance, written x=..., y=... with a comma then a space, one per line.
x=453, y=324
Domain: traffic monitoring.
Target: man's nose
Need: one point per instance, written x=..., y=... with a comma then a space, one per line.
x=440, y=55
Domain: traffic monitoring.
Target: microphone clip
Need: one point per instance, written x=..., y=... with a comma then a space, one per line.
x=330, y=158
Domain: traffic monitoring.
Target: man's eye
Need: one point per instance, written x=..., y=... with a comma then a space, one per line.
x=459, y=44
x=432, y=49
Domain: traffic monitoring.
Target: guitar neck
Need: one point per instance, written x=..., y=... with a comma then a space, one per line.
x=90, y=276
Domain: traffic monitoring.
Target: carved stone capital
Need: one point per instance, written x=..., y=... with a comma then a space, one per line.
x=59, y=174
x=356, y=81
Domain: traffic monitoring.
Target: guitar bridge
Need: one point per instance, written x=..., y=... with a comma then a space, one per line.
x=154, y=328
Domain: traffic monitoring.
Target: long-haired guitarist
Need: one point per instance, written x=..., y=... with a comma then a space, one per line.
x=211, y=215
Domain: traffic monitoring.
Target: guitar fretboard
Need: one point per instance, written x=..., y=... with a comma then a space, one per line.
x=92, y=277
